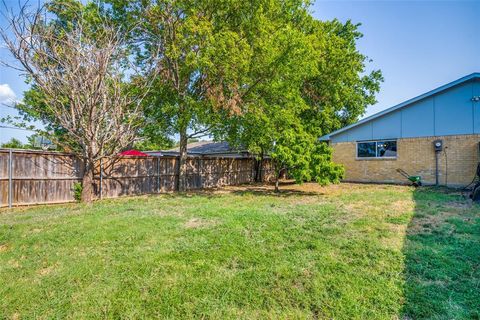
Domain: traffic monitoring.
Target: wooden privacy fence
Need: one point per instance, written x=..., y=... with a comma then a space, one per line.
x=35, y=177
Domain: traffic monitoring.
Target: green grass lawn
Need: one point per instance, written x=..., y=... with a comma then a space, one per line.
x=343, y=252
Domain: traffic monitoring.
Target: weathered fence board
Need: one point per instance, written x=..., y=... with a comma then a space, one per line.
x=48, y=177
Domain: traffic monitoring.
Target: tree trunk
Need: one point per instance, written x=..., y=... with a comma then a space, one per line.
x=182, y=162
x=87, y=183
x=258, y=169
x=277, y=178
x=278, y=170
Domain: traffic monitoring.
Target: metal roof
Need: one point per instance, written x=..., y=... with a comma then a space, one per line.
x=447, y=86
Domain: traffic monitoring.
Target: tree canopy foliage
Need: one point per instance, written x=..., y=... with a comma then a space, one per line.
x=34, y=141
x=13, y=143
x=261, y=74
x=212, y=56
x=321, y=87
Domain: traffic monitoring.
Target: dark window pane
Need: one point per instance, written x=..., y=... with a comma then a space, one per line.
x=366, y=149
x=386, y=149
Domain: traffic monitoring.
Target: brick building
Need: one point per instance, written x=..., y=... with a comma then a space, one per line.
x=402, y=137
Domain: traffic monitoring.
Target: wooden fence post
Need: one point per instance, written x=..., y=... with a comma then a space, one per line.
x=199, y=173
x=158, y=175
x=101, y=177
x=10, y=178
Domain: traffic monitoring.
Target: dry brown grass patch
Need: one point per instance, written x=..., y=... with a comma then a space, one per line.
x=15, y=316
x=402, y=206
x=196, y=223
x=46, y=270
x=3, y=247
x=396, y=236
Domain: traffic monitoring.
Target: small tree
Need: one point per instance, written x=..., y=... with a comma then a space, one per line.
x=77, y=63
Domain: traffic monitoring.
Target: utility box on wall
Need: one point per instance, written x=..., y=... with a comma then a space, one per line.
x=438, y=145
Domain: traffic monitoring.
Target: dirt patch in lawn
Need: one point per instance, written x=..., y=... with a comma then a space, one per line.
x=45, y=271
x=3, y=247
x=196, y=223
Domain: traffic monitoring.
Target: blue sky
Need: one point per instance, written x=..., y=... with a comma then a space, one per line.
x=418, y=45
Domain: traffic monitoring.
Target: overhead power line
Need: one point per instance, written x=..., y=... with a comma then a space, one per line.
x=7, y=106
x=16, y=128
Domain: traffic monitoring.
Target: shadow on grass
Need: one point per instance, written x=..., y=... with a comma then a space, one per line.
x=284, y=192
x=442, y=257
x=287, y=189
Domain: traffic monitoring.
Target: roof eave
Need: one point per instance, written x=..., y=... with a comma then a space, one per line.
x=447, y=86
x=325, y=138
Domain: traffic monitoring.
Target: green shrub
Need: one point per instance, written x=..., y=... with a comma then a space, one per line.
x=77, y=191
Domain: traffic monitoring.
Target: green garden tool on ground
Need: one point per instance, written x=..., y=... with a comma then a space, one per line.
x=415, y=180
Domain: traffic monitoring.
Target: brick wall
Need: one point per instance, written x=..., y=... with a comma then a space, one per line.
x=457, y=163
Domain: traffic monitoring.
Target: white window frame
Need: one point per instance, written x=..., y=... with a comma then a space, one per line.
x=376, y=149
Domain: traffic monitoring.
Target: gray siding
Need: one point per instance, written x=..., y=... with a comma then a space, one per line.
x=454, y=111
x=476, y=109
x=415, y=119
x=450, y=112
x=388, y=126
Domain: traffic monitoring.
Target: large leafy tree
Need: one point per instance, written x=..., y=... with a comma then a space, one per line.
x=213, y=55
x=320, y=90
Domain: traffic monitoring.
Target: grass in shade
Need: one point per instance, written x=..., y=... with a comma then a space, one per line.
x=344, y=251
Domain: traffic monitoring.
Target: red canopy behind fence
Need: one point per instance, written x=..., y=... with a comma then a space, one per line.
x=132, y=152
